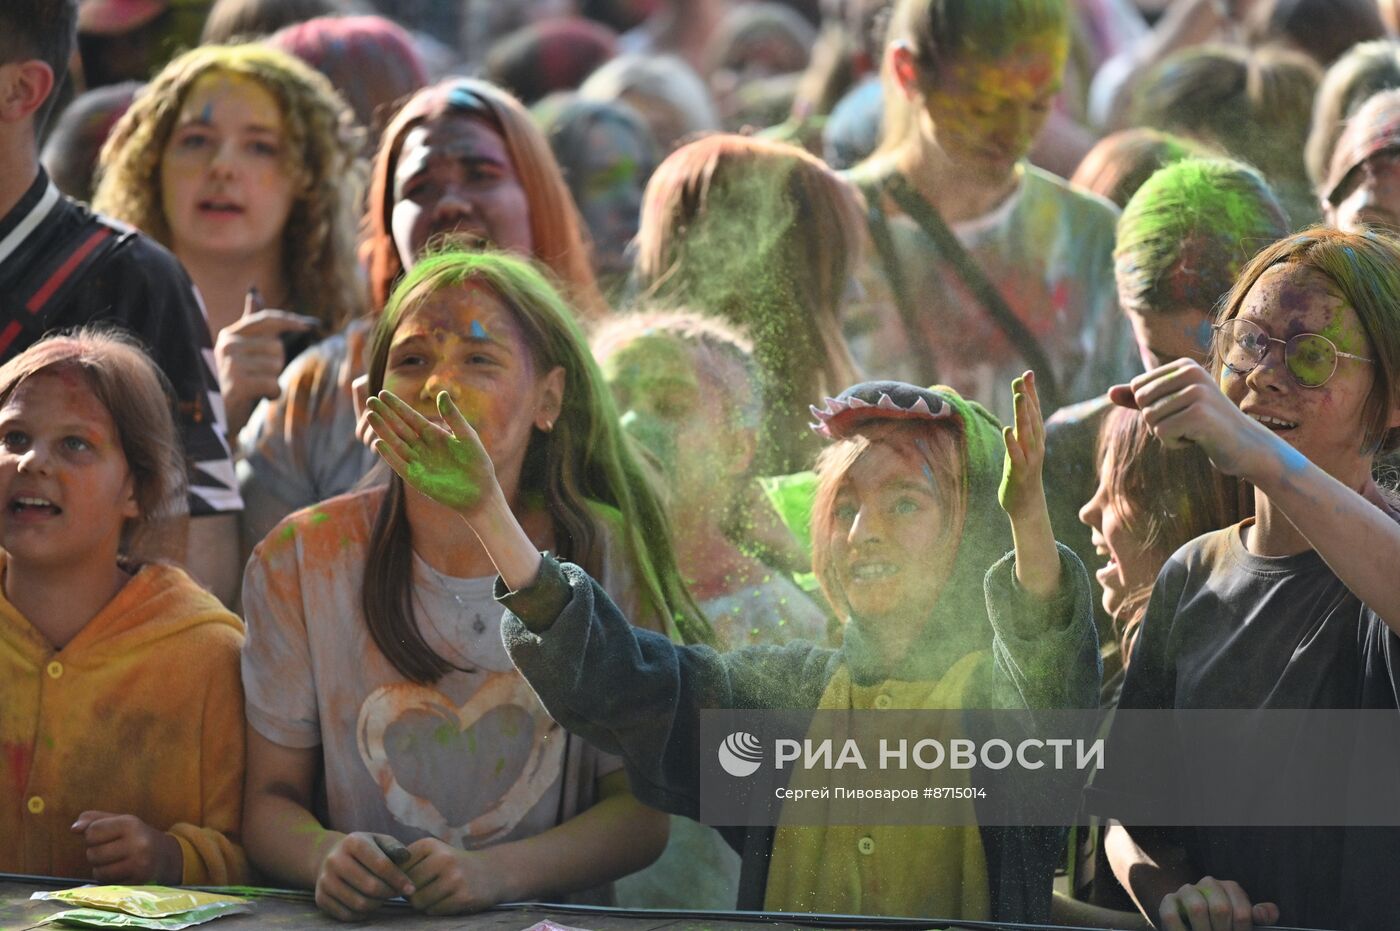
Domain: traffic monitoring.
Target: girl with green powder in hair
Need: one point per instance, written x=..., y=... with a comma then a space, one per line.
x=983, y=265
x=1182, y=240
x=910, y=548
x=1296, y=607
x=374, y=650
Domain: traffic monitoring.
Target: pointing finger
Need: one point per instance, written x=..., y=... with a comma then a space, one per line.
x=273, y=323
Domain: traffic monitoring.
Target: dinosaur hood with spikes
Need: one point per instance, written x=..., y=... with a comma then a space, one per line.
x=959, y=624
x=877, y=400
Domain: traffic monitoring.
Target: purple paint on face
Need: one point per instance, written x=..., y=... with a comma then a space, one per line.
x=206, y=116
x=1298, y=298
x=478, y=331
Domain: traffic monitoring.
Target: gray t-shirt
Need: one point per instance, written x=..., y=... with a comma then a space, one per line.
x=472, y=759
x=1048, y=249
x=1228, y=629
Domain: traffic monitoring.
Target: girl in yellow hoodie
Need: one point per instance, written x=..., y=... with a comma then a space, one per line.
x=121, y=708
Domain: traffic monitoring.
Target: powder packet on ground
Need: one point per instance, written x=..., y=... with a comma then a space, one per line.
x=97, y=918
x=144, y=901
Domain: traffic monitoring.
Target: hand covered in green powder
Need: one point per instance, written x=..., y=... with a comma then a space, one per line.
x=447, y=463
x=1022, y=493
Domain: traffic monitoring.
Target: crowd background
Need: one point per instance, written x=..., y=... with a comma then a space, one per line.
x=630, y=242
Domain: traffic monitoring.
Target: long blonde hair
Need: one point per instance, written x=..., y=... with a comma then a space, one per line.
x=322, y=142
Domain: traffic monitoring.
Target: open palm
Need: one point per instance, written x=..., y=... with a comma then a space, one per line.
x=446, y=463
x=1022, y=492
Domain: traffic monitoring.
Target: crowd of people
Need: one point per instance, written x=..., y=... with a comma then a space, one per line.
x=407, y=432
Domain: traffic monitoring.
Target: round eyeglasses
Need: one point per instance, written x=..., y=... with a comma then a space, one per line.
x=1311, y=358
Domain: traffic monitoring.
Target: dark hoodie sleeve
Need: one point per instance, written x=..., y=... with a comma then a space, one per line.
x=1045, y=651
x=633, y=692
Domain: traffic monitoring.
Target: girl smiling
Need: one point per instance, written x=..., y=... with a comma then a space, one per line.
x=909, y=548
x=1280, y=611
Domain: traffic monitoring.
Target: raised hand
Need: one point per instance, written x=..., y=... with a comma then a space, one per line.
x=1022, y=493
x=1182, y=404
x=249, y=356
x=447, y=463
x=125, y=849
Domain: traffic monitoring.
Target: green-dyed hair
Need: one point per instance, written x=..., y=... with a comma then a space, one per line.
x=1187, y=232
x=1365, y=270
x=582, y=472
x=1255, y=106
x=938, y=31
x=1367, y=69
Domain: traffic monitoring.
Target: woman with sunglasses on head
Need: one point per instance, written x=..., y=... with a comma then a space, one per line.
x=1296, y=607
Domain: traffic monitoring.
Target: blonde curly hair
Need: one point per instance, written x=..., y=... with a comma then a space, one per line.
x=321, y=151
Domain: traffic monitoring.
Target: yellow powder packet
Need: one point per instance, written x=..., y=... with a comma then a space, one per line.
x=142, y=901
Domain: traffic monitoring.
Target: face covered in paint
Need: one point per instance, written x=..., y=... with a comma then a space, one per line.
x=454, y=180
x=1323, y=423
x=986, y=112
x=467, y=342
x=1369, y=196
x=226, y=185
x=64, y=480
x=891, y=544
x=1130, y=567
x=680, y=414
x=612, y=174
